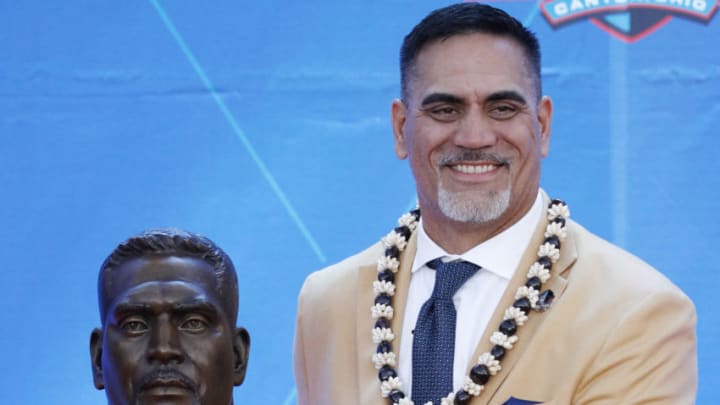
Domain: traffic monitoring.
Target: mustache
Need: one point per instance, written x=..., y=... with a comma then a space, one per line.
x=466, y=156
x=166, y=377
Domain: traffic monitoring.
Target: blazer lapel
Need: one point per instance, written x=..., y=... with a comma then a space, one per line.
x=368, y=381
x=557, y=284
x=402, y=286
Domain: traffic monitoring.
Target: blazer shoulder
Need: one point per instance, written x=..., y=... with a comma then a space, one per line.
x=603, y=263
x=340, y=278
x=636, y=327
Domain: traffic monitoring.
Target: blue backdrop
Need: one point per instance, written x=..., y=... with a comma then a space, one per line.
x=265, y=126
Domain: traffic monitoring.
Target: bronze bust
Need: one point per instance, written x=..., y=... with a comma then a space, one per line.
x=168, y=303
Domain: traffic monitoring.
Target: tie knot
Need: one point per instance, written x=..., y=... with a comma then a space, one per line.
x=450, y=276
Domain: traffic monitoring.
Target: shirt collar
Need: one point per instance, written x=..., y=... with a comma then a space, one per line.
x=498, y=254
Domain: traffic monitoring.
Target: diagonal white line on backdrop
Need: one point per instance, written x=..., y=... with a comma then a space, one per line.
x=238, y=131
x=291, y=397
x=531, y=15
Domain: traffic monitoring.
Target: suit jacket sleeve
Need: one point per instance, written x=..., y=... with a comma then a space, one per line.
x=299, y=353
x=648, y=358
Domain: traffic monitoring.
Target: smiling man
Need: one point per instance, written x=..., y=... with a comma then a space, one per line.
x=487, y=293
x=168, y=304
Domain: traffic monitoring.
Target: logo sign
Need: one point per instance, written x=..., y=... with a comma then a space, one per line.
x=628, y=20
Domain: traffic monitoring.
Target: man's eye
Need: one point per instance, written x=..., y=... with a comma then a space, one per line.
x=445, y=113
x=444, y=110
x=134, y=326
x=194, y=325
x=503, y=111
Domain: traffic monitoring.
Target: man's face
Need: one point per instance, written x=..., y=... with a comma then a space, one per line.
x=166, y=338
x=473, y=130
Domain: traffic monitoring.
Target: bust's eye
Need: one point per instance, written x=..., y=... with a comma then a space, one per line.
x=133, y=326
x=194, y=324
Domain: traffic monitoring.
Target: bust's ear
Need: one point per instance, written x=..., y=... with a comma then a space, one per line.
x=96, y=338
x=241, y=348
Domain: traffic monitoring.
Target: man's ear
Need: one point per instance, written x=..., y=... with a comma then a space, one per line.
x=96, y=338
x=398, y=114
x=545, y=110
x=241, y=347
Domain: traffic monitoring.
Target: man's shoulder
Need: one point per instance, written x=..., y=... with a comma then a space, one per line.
x=602, y=262
x=342, y=276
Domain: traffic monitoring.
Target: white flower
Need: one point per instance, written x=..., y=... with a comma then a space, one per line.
x=383, y=287
x=408, y=219
x=405, y=401
x=382, y=311
x=472, y=388
x=386, y=262
x=382, y=359
x=539, y=271
x=501, y=339
x=448, y=400
x=394, y=239
x=392, y=383
x=549, y=250
x=556, y=229
x=382, y=334
x=558, y=210
x=517, y=314
x=489, y=361
x=531, y=294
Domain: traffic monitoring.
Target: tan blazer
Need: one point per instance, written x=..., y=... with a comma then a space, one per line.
x=617, y=333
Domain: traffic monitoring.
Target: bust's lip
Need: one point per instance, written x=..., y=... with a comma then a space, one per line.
x=167, y=382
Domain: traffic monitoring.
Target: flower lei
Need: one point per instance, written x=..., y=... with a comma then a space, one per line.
x=528, y=297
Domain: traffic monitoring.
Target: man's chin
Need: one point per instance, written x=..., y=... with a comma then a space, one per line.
x=473, y=207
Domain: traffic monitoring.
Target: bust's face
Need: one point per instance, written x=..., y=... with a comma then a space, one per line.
x=166, y=339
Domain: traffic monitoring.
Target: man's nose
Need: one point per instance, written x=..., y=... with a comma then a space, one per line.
x=475, y=130
x=164, y=344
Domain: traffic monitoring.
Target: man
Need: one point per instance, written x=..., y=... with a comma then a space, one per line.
x=488, y=294
x=168, y=304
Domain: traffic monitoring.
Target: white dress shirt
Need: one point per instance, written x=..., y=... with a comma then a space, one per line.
x=475, y=301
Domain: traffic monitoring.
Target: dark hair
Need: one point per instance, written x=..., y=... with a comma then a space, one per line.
x=173, y=242
x=466, y=18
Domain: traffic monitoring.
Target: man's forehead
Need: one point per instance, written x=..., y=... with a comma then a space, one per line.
x=474, y=45
x=450, y=64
